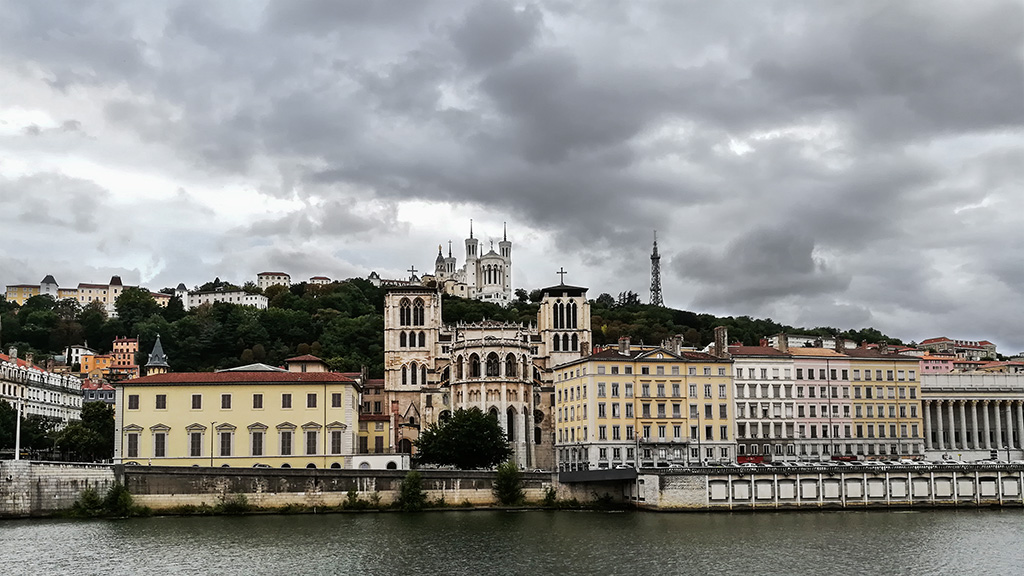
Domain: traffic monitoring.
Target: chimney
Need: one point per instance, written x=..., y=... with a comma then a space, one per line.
x=13, y=353
x=883, y=347
x=782, y=342
x=624, y=345
x=721, y=342
x=840, y=344
x=817, y=342
x=585, y=349
x=677, y=344
x=763, y=342
x=29, y=357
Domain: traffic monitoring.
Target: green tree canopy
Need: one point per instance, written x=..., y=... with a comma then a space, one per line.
x=469, y=439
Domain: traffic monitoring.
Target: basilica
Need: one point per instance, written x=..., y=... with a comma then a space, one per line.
x=505, y=369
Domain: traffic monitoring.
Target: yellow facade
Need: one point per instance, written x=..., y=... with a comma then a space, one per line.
x=886, y=402
x=20, y=293
x=96, y=366
x=674, y=409
x=277, y=419
x=374, y=434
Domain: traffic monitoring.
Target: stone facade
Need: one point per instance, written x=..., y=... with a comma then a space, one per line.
x=40, y=488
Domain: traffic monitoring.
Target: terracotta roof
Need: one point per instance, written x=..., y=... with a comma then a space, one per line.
x=374, y=417
x=756, y=351
x=304, y=358
x=822, y=352
x=19, y=362
x=238, y=378
x=84, y=285
x=935, y=340
x=272, y=274
x=874, y=353
x=374, y=383
x=319, y=278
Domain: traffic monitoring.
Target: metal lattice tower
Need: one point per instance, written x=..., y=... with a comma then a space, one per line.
x=656, y=275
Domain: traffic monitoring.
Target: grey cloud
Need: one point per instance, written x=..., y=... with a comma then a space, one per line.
x=495, y=31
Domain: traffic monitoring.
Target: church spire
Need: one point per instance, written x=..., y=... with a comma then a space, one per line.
x=504, y=231
x=471, y=228
x=157, y=363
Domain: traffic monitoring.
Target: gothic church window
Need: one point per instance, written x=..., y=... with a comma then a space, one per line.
x=404, y=312
x=405, y=375
x=413, y=373
x=575, y=340
x=458, y=368
x=423, y=374
x=557, y=343
x=474, y=366
x=492, y=364
x=565, y=342
x=572, y=317
x=417, y=313
x=510, y=366
x=402, y=340
x=423, y=339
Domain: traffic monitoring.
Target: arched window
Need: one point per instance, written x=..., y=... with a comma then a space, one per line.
x=526, y=368
x=565, y=342
x=423, y=374
x=492, y=365
x=493, y=412
x=459, y=368
x=404, y=312
x=423, y=339
x=402, y=340
x=417, y=312
x=510, y=424
x=405, y=375
x=558, y=343
x=537, y=435
x=446, y=374
x=556, y=313
x=510, y=366
x=572, y=316
x=474, y=366
x=575, y=342
x=413, y=373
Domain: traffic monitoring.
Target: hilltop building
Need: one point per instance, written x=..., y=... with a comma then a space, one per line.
x=964, y=349
x=265, y=280
x=84, y=293
x=40, y=392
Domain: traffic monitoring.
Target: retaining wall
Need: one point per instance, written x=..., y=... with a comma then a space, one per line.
x=40, y=488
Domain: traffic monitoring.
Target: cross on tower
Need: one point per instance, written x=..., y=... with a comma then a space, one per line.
x=412, y=270
x=561, y=273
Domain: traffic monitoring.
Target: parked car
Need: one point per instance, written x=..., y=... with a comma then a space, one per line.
x=259, y=465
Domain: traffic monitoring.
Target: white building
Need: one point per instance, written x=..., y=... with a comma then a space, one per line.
x=486, y=276
x=267, y=279
x=973, y=416
x=319, y=280
x=57, y=396
x=810, y=341
x=74, y=354
x=239, y=297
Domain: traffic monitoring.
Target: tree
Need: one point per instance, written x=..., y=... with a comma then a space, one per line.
x=522, y=296
x=411, y=497
x=134, y=305
x=605, y=300
x=8, y=420
x=469, y=439
x=508, y=486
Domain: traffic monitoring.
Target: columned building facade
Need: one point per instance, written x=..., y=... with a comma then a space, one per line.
x=973, y=416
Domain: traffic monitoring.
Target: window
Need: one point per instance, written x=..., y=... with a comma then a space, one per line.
x=311, y=442
x=629, y=432
x=675, y=390
x=225, y=401
x=629, y=389
x=133, y=444
x=707, y=390
x=721, y=391
x=615, y=433
x=723, y=432
x=628, y=369
x=161, y=401
x=197, y=401
x=195, y=444
x=645, y=370
x=615, y=369
x=602, y=432
x=707, y=371
x=257, y=443
x=615, y=390
x=600, y=389
x=692, y=371
x=600, y=369
x=629, y=410
x=335, y=441
x=311, y=400
x=336, y=400
x=159, y=445
x=764, y=373
x=225, y=443
x=799, y=373
x=645, y=390
x=133, y=401
x=708, y=410
x=661, y=390
x=286, y=400
x=286, y=442
x=723, y=411
x=600, y=410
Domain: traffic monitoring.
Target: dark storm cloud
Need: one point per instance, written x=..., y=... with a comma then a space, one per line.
x=853, y=157
x=53, y=200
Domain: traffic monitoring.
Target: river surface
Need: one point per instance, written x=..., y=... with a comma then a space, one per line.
x=986, y=542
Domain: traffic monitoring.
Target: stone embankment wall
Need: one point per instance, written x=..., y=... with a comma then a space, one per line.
x=163, y=488
x=918, y=486
x=41, y=488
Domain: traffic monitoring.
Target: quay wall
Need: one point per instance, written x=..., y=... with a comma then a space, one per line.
x=40, y=488
x=907, y=487
x=166, y=487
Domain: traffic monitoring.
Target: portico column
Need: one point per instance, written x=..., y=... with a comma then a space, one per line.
x=938, y=425
x=999, y=425
x=963, y=425
x=988, y=433
x=952, y=427
x=976, y=440
x=1008, y=406
x=926, y=408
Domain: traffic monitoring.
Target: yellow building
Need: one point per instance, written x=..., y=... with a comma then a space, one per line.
x=254, y=415
x=96, y=366
x=675, y=407
x=887, y=417
x=20, y=293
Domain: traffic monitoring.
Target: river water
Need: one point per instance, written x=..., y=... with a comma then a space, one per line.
x=988, y=542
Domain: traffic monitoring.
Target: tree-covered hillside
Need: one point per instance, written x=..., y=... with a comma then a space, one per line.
x=340, y=322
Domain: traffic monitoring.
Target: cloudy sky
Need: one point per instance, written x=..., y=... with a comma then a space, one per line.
x=820, y=163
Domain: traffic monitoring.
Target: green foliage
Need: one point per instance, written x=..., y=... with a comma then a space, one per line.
x=508, y=485
x=411, y=497
x=8, y=421
x=135, y=304
x=233, y=504
x=550, y=496
x=90, y=439
x=117, y=503
x=468, y=440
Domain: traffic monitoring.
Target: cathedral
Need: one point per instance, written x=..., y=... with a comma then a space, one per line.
x=486, y=277
x=505, y=369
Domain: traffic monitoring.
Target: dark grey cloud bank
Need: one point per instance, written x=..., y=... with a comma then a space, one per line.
x=820, y=163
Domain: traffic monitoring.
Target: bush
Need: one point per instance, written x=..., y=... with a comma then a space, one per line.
x=550, y=496
x=88, y=505
x=508, y=486
x=411, y=497
x=352, y=502
x=118, y=502
x=234, y=504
